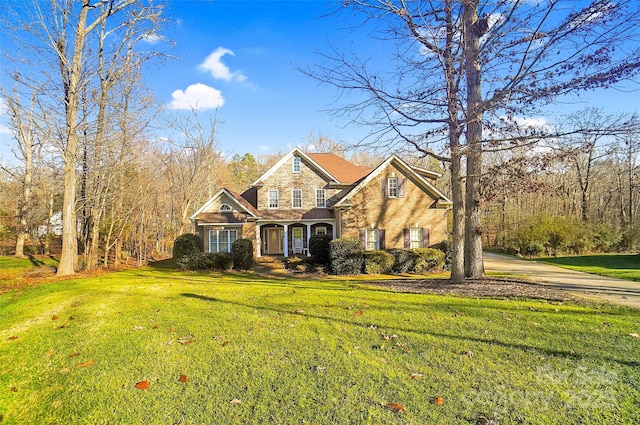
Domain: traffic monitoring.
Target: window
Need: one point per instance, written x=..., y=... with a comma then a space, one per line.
x=273, y=199
x=321, y=198
x=225, y=208
x=373, y=239
x=221, y=240
x=415, y=237
x=296, y=198
x=321, y=230
x=296, y=164
x=392, y=187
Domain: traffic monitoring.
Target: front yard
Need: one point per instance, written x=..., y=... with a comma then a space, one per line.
x=621, y=266
x=157, y=346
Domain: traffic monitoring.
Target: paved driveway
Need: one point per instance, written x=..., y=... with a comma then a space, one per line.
x=617, y=291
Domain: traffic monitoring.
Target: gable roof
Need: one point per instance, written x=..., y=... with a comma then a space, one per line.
x=240, y=203
x=287, y=157
x=343, y=170
x=408, y=171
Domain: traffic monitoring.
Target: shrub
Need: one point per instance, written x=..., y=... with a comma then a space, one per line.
x=404, y=260
x=378, y=262
x=218, y=261
x=298, y=264
x=428, y=259
x=186, y=244
x=242, y=254
x=319, y=249
x=347, y=256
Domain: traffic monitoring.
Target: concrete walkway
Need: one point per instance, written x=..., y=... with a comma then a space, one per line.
x=616, y=291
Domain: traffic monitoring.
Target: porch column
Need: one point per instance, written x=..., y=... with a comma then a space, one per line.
x=286, y=240
x=258, y=242
x=334, y=229
x=308, y=237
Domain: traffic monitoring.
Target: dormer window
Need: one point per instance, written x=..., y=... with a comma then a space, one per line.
x=225, y=208
x=296, y=164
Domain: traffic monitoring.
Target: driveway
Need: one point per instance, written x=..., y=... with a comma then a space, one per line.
x=616, y=291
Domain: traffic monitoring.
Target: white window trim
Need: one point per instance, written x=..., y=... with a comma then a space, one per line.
x=293, y=204
x=297, y=165
x=376, y=232
x=323, y=228
x=217, y=239
x=397, y=187
x=277, y=198
x=420, y=239
x=324, y=198
x=228, y=208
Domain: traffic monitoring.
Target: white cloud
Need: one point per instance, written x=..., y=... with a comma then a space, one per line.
x=197, y=96
x=213, y=64
x=153, y=38
x=5, y=130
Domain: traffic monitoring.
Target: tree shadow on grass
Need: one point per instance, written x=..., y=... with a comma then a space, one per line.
x=166, y=264
x=490, y=341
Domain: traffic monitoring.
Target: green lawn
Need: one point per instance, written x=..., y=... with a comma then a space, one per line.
x=622, y=266
x=256, y=351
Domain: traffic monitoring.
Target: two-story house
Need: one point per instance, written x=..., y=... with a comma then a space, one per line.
x=392, y=206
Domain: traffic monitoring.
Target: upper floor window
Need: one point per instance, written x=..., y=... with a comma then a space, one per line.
x=225, y=208
x=296, y=164
x=321, y=198
x=392, y=187
x=296, y=198
x=273, y=199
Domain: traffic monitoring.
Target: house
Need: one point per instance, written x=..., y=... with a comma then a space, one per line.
x=392, y=206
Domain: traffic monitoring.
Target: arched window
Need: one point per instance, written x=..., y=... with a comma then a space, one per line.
x=225, y=208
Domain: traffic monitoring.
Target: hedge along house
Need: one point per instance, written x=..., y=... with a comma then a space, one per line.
x=304, y=194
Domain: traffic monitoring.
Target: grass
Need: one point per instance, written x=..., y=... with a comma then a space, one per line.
x=12, y=269
x=621, y=266
x=257, y=350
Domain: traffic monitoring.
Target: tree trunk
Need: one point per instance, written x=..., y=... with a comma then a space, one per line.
x=473, y=30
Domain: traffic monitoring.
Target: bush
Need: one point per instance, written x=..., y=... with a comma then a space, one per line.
x=428, y=259
x=186, y=245
x=298, y=264
x=404, y=260
x=319, y=249
x=378, y=262
x=218, y=261
x=347, y=256
x=242, y=254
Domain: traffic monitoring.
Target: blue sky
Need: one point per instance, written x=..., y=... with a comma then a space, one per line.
x=242, y=56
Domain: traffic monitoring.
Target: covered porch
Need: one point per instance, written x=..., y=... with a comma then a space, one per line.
x=285, y=238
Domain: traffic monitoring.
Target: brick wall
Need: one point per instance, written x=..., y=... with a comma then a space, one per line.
x=393, y=214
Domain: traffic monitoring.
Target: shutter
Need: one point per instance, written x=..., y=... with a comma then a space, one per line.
x=381, y=241
x=363, y=239
x=425, y=237
x=384, y=188
x=407, y=238
x=401, y=188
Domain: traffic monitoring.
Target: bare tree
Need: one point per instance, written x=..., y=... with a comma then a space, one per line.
x=463, y=68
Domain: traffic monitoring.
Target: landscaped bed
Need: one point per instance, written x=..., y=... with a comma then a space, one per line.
x=159, y=346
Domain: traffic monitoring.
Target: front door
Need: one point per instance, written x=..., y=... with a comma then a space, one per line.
x=274, y=238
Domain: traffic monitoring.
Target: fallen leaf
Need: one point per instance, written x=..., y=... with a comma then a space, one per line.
x=224, y=344
x=143, y=385
x=14, y=390
x=138, y=328
x=299, y=311
x=635, y=335
x=236, y=401
x=186, y=339
x=85, y=364
x=50, y=353
x=395, y=407
x=439, y=401
x=12, y=338
x=74, y=354
x=65, y=371
x=54, y=317
x=173, y=329
x=71, y=318
x=183, y=378
x=416, y=375
x=360, y=313
x=154, y=327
